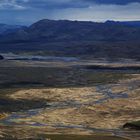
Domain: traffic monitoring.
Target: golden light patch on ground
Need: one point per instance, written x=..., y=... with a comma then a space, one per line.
x=132, y=78
x=82, y=110
x=81, y=95
x=80, y=106
x=117, y=112
x=3, y=115
x=119, y=88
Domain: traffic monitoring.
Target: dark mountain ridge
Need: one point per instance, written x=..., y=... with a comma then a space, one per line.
x=63, y=37
x=127, y=23
x=64, y=30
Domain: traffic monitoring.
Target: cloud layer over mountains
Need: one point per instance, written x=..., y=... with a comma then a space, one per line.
x=29, y=11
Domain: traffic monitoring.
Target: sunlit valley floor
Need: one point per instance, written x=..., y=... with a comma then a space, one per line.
x=68, y=100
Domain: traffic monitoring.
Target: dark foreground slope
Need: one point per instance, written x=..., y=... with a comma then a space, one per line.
x=109, y=39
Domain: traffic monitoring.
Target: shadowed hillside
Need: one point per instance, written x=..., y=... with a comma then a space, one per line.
x=100, y=40
x=64, y=30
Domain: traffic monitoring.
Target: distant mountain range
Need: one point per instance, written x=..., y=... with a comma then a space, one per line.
x=127, y=23
x=76, y=38
x=6, y=29
x=64, y=30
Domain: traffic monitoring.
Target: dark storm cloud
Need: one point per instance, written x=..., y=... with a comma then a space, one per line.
x=29, y=11
x=70, y=3
x=54, y=3
x=119, y=2
x=57, y=4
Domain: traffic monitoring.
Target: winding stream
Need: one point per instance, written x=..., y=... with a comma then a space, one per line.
x=105, y=90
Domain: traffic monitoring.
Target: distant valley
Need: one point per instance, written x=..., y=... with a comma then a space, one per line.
x=70, y=80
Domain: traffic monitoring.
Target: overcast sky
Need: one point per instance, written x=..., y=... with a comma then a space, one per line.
x=29, y=11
